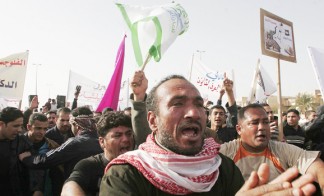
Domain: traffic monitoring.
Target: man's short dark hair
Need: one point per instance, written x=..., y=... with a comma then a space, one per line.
x=241, y=112
x=217, y=107
x=106, y=110
x=128, y=108
x=111, y=120
x=37, y=116
x=209, y=103
x=64, y=110
x=264, y=104
x=81, y=111
x=152, y=100
x=10, y=114
x=294, y=111
x=51, y=112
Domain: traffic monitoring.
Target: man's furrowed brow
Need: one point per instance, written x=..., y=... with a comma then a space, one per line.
x=179, y=97
x=198, y=98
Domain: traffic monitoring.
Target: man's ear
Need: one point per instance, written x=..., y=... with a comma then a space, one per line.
x=239, y=129
x=29, y=127
x=152, y=121
x=1, y=123
x=101, y=142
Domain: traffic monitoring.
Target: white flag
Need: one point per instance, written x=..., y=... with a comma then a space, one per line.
x=208, y=81
x=317, y=59
x=12, y=75
x=154, y=29
x=262, y=86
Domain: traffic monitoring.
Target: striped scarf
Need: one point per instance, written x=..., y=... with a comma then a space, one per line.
x=86, y=122
x=173, y=173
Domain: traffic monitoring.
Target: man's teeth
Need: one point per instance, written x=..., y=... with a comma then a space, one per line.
x=190, y=132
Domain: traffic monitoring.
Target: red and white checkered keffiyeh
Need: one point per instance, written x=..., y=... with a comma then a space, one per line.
x=173, y=173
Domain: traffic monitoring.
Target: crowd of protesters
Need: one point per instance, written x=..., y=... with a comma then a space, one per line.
x=170, y=142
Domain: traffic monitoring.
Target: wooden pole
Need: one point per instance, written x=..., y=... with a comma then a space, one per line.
x=20, y=104
x=148, y=57
x=280, y=126
x=251, y=99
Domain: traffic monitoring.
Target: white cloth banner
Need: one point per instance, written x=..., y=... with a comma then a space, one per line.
x=92, y=92
x=317, y=59
x=262, y=86
x=209, y=82
x=9, y=103
x=12, y=75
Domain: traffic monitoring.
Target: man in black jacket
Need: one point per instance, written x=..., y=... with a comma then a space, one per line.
x=62, y=131
x=315, y=131
x=84, y=144
x=39, y=179
x=13, y=174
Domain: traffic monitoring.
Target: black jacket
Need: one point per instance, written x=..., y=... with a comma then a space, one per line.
x=68, y=154
x=315, y=131
x=18, y=179
x=55, y=135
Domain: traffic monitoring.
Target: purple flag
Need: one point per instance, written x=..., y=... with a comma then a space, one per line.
x=111, y=97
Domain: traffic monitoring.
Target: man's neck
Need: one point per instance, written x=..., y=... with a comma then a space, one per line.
x=215, y=127
x=62, y=132
x=31, y=139
x=251, y=149
x=159, y=144
x=295, y=127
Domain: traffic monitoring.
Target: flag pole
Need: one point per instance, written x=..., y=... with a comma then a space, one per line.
x=148, y=57
x=280, y=125
x=254, y=81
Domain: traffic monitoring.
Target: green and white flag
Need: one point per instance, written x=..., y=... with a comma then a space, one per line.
x=154, y=29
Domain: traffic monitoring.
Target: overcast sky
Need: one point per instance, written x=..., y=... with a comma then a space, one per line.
x=84, y=35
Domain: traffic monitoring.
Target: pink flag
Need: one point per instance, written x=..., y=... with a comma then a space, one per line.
x=111, y=97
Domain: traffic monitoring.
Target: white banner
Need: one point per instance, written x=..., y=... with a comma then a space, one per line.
x=209, y=82
x=9, y=103
x=92, y=92
x=12, y=75
x=317, y=59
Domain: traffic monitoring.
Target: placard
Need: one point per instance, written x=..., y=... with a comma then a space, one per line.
x=277, y=37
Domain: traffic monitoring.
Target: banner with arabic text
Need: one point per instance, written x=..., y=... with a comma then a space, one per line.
x=209, y=82
x=92, y=92
x=12, y=75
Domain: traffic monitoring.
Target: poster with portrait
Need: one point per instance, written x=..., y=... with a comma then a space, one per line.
x=277, y=37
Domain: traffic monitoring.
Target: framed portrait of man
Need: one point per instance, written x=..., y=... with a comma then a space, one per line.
x=277, y=37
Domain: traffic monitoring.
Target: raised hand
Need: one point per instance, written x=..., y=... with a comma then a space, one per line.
x=34, y=103
x=139, y=84
x=77, y=91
